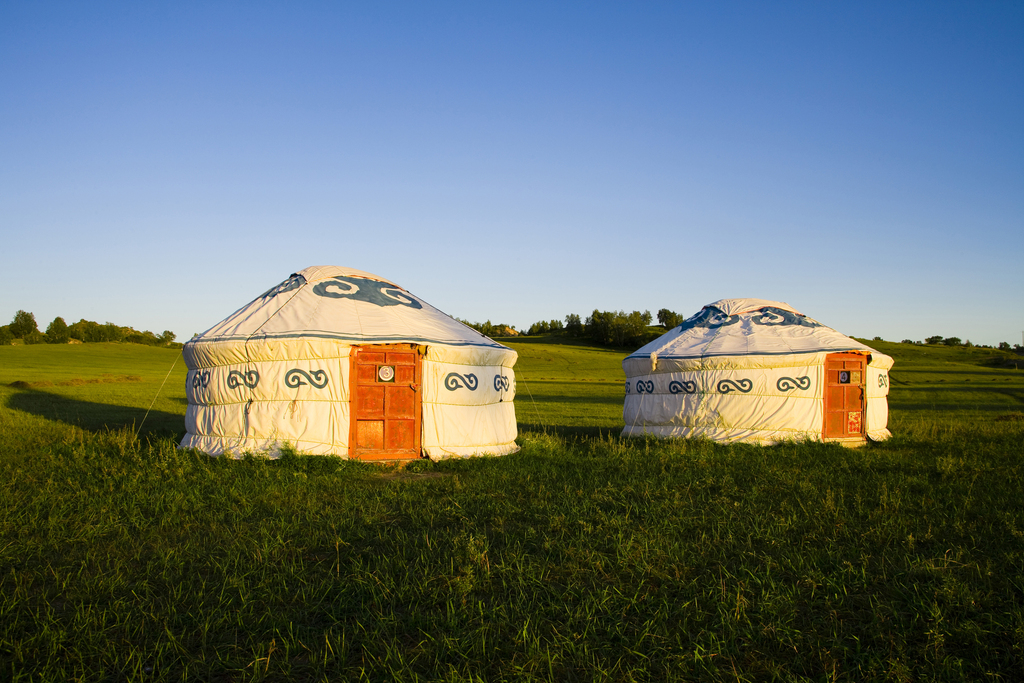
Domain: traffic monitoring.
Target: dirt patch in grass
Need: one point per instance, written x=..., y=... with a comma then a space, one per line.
x=1011, y=417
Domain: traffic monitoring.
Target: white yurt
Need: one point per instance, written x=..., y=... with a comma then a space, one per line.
x=756, y=371
x=339, y=361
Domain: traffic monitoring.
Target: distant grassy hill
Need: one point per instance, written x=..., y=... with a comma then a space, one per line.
x=568, y=384
x=951, y=382
x=106, y=384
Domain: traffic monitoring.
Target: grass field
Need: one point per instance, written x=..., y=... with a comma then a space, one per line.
x=583, y=557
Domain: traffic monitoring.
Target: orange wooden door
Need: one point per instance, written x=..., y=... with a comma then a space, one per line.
x=844, y=396
x=384, y=388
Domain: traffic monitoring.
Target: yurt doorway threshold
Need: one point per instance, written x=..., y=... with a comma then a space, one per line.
x=844, y=398
x=386, y=402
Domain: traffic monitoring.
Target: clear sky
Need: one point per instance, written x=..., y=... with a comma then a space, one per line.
x=162, y=164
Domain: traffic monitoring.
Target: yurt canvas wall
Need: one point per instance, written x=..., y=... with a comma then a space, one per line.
x=339, y=361
x=756, y=371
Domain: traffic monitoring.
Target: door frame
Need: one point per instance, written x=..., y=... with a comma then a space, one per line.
x=827, y=382
x=416, y=384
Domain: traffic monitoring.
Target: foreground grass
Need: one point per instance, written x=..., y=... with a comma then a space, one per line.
x=584, y=557
x=583, y=560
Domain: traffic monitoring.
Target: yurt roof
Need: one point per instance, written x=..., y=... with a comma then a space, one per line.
x=352, y=306
x=748, y=327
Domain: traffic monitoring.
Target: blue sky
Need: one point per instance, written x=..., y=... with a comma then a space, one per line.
x=163, y=164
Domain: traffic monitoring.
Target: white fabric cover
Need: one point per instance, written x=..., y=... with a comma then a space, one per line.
x=277, y=370
x=744, y=370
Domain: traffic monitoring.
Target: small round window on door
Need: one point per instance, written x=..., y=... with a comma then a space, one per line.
x=386, y=373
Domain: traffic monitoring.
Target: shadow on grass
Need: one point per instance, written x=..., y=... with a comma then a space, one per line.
x=95, y=416
x=567, y=398
x=566, y=431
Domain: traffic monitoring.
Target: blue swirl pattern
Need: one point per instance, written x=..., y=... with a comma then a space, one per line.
x=772, y=316
x=682, y=387
x=363, y=289
x=201, y=379
x=788, y=383
x=454, y=380
x=249, y=378
x=883, y=381
x=288, y=285
x=500, y=383
x=643, y=387
x=317, y=379
x=743, y=386
x=711, y=317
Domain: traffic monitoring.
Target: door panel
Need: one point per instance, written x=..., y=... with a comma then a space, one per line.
x=834, y=423
x=370, y=434
x=401, y=402
x=368, y=402
x=386, y=402
x=366, y=373
x=844, y=396
x=400, y=435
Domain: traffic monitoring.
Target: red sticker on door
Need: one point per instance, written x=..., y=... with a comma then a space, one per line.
x=853, y=422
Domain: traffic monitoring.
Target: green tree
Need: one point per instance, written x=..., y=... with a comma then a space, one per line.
x=6, y=337
x=669, y=319
x=167, y=337
x=617, y=328
x=57, y=332
x=112, y=332
x=937, y=339
x=86, y=331
x=573, y=325
x=539, y=328
x=952, y=341
x=24, y=323
x=34, y=337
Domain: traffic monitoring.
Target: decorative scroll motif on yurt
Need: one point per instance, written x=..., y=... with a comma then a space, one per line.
x=361, y=289
x=743, y=385
x=455, y=381
x=684, y=387
x=712, y=318
x=790, y=383
x=317, y=379
x=250, y=378
x=288, y=285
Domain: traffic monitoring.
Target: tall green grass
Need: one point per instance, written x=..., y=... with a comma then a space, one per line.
x=583, y=557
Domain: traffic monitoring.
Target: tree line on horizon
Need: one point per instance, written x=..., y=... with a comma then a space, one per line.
x=621, y=329
x=605, y=328
x=25, y=328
